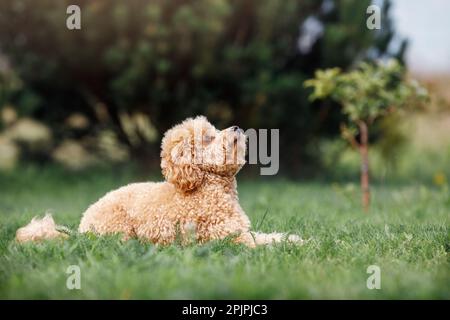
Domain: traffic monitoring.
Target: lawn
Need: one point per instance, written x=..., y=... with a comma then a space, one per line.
x=406, y=234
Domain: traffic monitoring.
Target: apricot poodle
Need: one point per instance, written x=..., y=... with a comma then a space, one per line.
x=198, y=201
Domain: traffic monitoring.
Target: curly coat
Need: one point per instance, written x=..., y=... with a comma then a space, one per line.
x=198, y=201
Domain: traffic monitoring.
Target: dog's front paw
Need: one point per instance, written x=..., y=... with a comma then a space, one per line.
x=295, y=239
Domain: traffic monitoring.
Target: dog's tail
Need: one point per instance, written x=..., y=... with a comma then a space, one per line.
x=41, y=229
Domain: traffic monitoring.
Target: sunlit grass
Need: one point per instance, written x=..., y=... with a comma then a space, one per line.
x=406, y=234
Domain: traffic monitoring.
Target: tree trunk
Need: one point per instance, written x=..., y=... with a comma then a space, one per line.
x=364, y=151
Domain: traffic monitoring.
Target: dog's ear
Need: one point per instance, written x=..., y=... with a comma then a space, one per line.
x=178, y=166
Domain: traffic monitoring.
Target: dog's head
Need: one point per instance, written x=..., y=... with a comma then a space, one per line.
x=195, y=148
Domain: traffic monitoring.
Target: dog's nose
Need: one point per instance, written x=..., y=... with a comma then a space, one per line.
x=235, y=128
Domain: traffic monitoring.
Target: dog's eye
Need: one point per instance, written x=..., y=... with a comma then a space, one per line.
x=208, y=139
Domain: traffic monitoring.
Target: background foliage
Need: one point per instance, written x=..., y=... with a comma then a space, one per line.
x=137, y=67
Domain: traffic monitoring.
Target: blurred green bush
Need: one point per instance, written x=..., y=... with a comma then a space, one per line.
x=138, y=67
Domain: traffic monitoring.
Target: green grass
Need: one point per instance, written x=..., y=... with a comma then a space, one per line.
x=406, y=234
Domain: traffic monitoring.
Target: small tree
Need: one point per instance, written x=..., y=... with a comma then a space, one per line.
x=367, y=93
